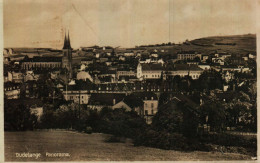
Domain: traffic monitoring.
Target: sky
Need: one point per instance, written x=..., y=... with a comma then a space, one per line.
x=125, y=23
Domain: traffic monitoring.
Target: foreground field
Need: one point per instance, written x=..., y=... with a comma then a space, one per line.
x=93, y=147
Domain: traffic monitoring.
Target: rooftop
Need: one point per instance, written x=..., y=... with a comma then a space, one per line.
x=43, y=59
x=151, y=66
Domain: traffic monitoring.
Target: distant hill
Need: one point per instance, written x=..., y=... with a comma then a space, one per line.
x=234, y=44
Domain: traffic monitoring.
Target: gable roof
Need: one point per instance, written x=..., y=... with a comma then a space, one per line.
x=146, y=95
x=133, y=101
x=43, y=59
x=105, y=98
x=151, y=66
x=184, y=67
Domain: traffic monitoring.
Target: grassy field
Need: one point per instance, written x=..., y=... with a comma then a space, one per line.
x=244, y=44
x=93, y=147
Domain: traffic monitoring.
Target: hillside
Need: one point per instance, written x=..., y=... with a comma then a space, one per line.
x=93, y=147
x=234, y=44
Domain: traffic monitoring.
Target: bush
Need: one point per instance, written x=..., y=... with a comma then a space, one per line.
x=115, y=139
x=166, y=140
x=88, y=130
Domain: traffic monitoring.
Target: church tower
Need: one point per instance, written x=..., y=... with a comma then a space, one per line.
x=67, y=55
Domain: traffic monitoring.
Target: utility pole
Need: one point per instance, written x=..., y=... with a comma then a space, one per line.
x=79, y=103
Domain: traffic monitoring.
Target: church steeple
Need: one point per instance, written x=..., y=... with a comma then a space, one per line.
x=66, y=42
x=69, y=40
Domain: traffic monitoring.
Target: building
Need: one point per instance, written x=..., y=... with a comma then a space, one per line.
x=125, y=72
x=188, y=55
x=11, y=90
x=86, y=61
x=83, y=75
x=16, y=77
x=29, y=75
x=41, y=63
x=150, y=104
x=67, y=55
x=131, y=102
x=97, y=101
x=149, y=71
x=184, y=70
x=204, y=66
x=78, y=93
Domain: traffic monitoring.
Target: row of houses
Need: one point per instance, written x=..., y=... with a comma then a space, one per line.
x=144, y=103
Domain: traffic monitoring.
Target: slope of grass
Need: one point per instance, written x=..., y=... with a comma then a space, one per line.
x=93, y=147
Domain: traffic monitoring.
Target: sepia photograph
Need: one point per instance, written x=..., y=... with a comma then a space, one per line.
x=129, y=80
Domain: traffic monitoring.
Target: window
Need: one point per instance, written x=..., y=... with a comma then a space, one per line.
x=152, y=105
x=146, y=112
x=152, y=111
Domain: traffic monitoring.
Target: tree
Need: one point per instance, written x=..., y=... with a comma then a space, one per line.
x=212, y=113
x=176, y=117
x=18, y=118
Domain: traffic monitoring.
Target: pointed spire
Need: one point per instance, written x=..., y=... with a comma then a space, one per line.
x=66, y=42
x=69, y=40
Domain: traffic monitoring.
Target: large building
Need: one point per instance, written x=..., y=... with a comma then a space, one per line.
x=188, y=55
x=38, y=62
x=41, y=63
x=149, y=71
x=183, y=70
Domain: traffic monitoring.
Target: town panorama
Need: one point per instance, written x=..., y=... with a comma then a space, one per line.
x=199, y=89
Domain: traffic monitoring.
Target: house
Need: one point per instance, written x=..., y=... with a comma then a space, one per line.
x=16, y=77
x=86, y=61
x=83, y=75
x=184, y=70
x=83, y=67
x=155, y=55
x=184, y=108
x=12, y=90
x=125, y=79
x=122, y=58
x=149, y=71
x=204, y=66
x=78, y=92
x=107, y=76
x=31, y=76
x=30, y=89
x=188, y=55
x=103, y=59
x=204, y=58
x=131, y=102
x=150, y=107
x=219, y=61
x=55, y=74
x=97, y=101
x=231, y=68
x=251, y=56
x=125, y=72
x=227, y=76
